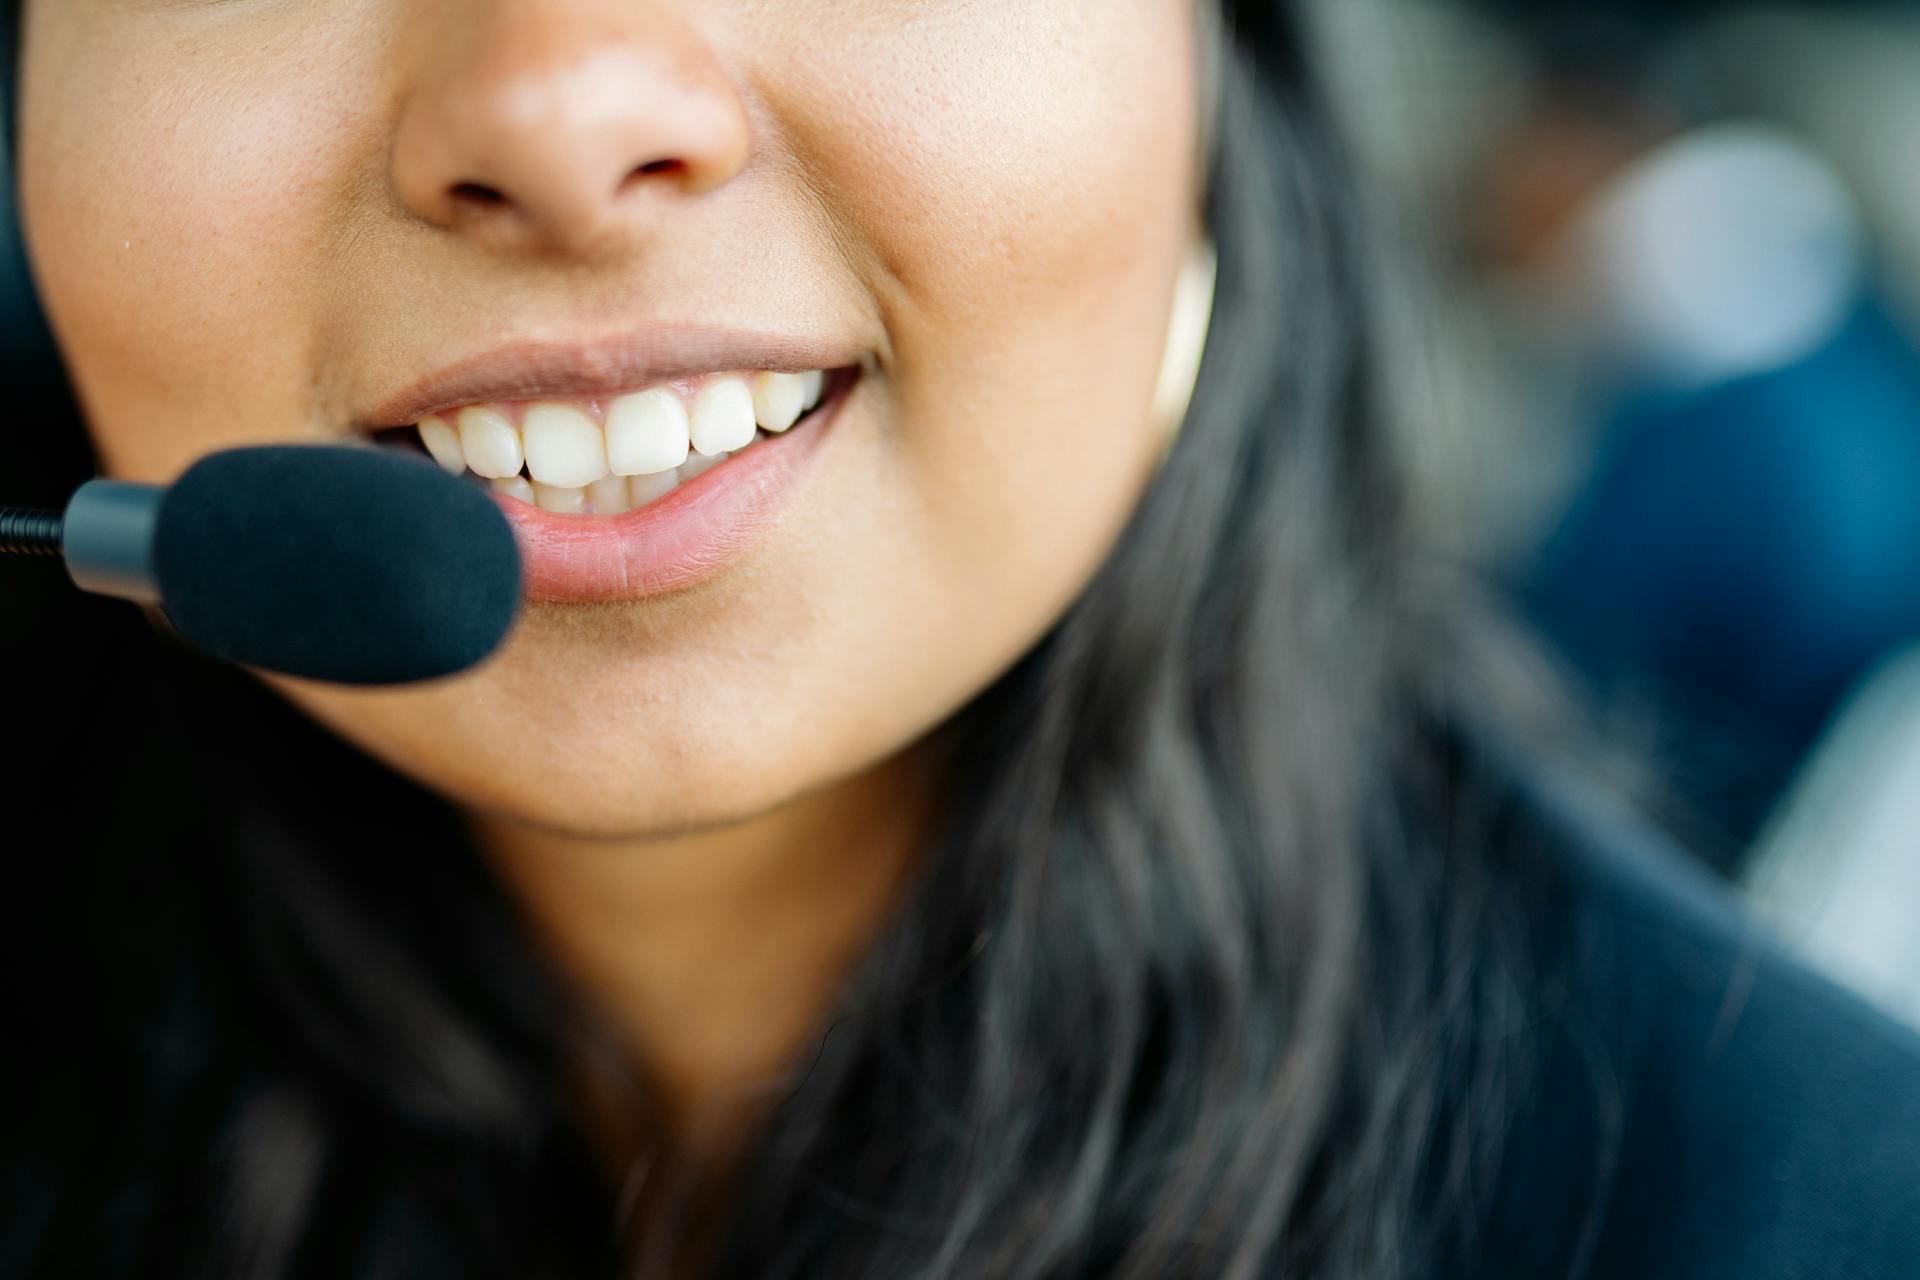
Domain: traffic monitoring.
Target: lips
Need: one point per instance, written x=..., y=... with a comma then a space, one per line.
x=631, y=467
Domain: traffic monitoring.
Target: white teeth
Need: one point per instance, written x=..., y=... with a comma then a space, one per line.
x=778, y=399
x=652, y=442
x=644, y=489
x=491, y=445
x=443, y=442
x=647, y=433
x=565, y=499
x=565, y=447
x=514, y=487
x=608, y=495
x=722, y=417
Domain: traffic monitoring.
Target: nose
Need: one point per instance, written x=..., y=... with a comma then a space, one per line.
x=564, y=126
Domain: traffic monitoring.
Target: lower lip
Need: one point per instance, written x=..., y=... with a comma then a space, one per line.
x=697, y=532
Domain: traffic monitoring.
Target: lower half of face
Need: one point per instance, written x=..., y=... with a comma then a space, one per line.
x=984, y=208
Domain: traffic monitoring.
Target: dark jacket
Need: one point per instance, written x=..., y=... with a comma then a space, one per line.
x=1703, y=1106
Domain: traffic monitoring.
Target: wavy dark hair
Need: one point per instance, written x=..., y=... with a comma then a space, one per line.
x=1195, y=982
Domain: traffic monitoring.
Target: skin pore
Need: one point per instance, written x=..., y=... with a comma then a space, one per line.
x=246, y=222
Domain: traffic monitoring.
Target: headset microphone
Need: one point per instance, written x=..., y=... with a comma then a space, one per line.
x=345, y=564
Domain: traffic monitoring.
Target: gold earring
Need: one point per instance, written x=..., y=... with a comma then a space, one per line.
x=1186, y=342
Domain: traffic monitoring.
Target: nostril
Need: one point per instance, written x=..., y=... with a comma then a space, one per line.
x=653, y=167
x=477, y=193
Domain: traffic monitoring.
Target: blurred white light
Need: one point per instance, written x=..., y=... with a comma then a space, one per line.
x=1730, y=251
x=1838, y=869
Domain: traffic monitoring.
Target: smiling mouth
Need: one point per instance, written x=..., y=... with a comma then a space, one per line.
x=608, y=455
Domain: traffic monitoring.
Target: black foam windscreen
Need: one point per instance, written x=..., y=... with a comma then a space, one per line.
x=354, y=565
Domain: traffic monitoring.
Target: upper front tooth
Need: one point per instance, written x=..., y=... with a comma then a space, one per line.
x=490, y=443
x=815, y=381
x=722, y=417
x=647, y=433
x=564, y=446
x=778, y=399
x=443, y=442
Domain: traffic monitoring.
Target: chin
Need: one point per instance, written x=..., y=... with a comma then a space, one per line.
x=614, y=814
x=594, y=760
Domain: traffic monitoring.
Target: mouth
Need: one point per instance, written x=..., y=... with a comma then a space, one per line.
x=639, y=492
x=607, y=455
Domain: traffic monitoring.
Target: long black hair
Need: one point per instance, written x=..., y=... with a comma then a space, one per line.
x=1196, y=982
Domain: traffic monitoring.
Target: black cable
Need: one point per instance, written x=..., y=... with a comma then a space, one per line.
x=29, y=531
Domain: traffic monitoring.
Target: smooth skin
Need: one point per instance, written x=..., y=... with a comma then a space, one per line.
x=247, y=223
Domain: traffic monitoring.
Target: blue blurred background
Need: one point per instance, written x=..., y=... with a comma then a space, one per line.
x=1668, y=384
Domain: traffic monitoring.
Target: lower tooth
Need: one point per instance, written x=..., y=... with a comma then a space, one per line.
x=563, y=501
x=644, y=489
x=513, y=487
x=699, y=464
x=609, y=495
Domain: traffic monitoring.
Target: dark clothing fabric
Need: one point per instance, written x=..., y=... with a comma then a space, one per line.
x=1702, y=1106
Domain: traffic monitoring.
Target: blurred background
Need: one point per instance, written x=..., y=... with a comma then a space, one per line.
x=1666, y=377
x=1662, y=368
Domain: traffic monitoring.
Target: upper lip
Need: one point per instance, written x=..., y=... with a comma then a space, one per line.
x=637, y=358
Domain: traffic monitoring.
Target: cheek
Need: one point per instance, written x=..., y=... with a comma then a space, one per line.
x=170, y=209
x=1026, y=190
x=1005, y=146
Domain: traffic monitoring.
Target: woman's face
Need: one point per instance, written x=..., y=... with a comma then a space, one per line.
x=260, y=221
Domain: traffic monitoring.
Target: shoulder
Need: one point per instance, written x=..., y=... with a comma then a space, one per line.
x=1698, y=1104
